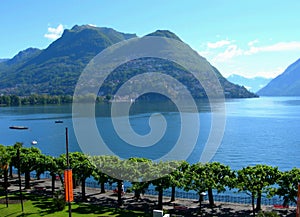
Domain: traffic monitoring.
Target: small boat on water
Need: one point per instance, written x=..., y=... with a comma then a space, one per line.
x=18, y=127
x=58, y=121
x=34, y=142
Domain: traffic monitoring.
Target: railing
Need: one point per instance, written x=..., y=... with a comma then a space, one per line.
x=228, y=197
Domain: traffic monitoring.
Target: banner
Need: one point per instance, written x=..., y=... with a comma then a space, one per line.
x=298, y=202
x=68, y=185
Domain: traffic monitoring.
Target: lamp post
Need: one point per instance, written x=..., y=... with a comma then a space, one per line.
x=68, y=178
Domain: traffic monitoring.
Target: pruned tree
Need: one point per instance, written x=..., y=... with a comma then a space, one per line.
x=255, y=180
x=177, y=177
x=197, y=179
x=163, y=170
x=288, y=186
x=219, y=177
x=5, y=159
x=29, y=158
x=98, y=173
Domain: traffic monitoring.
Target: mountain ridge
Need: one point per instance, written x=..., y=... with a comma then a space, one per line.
x=55, y=69
x=252, y=84
x=285, y=84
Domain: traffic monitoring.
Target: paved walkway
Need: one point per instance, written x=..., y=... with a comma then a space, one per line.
x=180, y=207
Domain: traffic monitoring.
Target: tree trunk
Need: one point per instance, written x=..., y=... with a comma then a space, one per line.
x=119, y=193
x=160, y=199
x=6, y=186
x=137, y=194
x=211, y=198
x=11, y=171
x=253, y=206
x=200, y=205
x=258, y=202
x=102, y=188
x=83, y=189
x=173, y=193
x=74, y=182
x=27, y=180
x=53, y=177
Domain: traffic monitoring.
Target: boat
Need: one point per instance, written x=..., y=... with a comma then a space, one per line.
x=18, y=127
x=34, y=142
x=58, y=121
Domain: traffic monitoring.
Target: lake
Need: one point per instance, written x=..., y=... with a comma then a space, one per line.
x=260, y=130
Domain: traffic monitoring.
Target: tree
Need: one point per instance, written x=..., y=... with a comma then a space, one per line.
x=5, y=159
x=163, y=182
x=51, y=165
x=177, y=177
x=219, y=176
x=29, y=158
x=197, y=179
x=143, y=183
x=255, y=180
x=12, y=150
x=98, y=174
x=288, y=186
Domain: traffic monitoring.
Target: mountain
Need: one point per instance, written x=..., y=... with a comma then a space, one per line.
x=252, y=84
x=164, y=33
x=286, y=84
x=56, y=69
x=3, y=60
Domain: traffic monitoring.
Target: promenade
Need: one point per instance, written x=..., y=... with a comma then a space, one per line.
x=180, y=207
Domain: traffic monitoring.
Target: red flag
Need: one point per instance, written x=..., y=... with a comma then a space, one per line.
x=68, y=185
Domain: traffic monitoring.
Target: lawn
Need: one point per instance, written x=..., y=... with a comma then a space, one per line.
x=35, y=206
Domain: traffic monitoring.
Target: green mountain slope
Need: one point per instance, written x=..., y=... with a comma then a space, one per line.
x=56, y=69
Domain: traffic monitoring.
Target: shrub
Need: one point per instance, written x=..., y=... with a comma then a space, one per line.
x=59, y=202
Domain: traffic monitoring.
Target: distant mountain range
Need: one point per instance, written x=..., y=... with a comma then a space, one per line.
x=252, y=84
x=3, y=60
x=56, y=69
x=286, y=84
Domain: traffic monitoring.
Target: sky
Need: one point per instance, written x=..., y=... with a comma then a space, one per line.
x=249, y=38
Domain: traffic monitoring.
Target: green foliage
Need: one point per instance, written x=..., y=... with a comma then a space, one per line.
x=256, y=180
x=200, y=177
x=288, y=185
x=5, y=157
x=34, y=99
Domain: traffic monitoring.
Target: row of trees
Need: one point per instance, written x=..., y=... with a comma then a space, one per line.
x=36, y=99
x=254, y=180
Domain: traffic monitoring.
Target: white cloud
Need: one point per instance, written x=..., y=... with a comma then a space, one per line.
x=251, y=43
x=230, y=52
x=281, y=46
x=92, y=25
x=54, y=33
x=218, y=44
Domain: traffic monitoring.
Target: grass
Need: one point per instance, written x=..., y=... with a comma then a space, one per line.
x=35, y=206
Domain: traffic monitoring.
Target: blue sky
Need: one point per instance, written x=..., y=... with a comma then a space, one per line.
x=249, y=38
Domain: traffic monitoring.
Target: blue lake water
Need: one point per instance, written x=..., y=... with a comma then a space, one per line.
x=261, y=130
